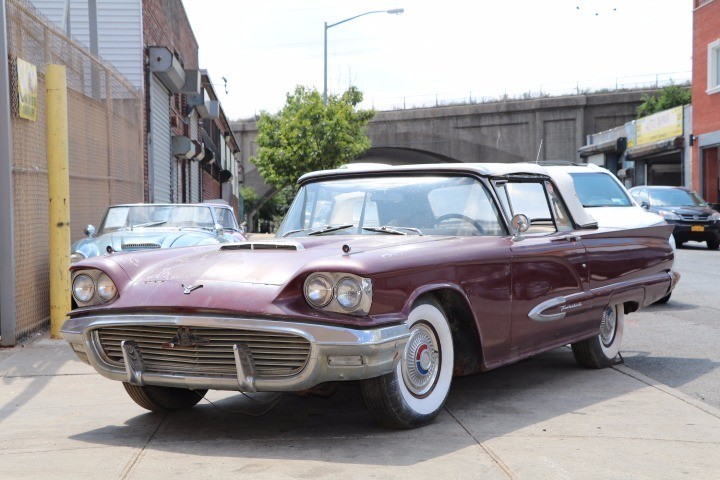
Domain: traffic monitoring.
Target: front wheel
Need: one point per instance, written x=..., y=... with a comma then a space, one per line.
x=600, y=351
x=163, y=399
x=416, y=391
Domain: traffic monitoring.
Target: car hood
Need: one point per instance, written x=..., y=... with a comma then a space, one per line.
x=687, y=210
x=145, y=239
x=268, y=262
x=259, y=278
x=624, y=217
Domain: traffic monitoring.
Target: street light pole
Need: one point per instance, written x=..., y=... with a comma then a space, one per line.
x=394, y=11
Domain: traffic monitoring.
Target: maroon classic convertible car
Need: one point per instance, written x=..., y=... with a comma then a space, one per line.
x=396, y=277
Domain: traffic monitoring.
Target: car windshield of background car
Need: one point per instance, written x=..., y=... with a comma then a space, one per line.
x=675, y=198
x=433, y=205
x=599, y=190
x=145, y=216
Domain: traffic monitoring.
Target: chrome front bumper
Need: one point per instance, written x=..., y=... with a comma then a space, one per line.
x=336, y=353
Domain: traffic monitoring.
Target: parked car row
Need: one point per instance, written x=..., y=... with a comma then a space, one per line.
x=399, y=278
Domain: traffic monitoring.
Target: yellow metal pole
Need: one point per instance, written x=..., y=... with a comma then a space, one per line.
x=59, y=193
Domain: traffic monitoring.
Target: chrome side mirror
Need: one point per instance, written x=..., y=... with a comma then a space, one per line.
x=519, y=224
x=219, y=229
x=89, y=230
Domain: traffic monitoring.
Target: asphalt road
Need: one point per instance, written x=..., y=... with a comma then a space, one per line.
x=678, y=344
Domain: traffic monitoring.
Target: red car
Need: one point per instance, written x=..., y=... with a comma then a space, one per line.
x=397, y=277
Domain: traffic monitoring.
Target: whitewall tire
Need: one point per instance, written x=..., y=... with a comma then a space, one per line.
x=414, y=394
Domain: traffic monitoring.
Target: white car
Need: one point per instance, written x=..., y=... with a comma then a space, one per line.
x=606, y=199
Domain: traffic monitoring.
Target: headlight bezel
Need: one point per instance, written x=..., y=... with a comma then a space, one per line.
x=96, y=276
x=363, y=288
x=76, y=256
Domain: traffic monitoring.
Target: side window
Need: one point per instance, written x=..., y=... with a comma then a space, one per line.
x=466, y=209
x=562, y=217
x=540, y=202
x=226, y=218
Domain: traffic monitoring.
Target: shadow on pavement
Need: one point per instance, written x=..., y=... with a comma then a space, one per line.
x=339, y=429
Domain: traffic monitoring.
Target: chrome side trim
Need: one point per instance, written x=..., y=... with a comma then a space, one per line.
x=537, y=315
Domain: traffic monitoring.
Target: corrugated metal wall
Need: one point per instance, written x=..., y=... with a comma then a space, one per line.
x=160, y=157
x=119, y=25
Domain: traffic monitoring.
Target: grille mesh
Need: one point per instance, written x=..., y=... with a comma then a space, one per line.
x=691, y=218
x=275, y=354
x=139, y=246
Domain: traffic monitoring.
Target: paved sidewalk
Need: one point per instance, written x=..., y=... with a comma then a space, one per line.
x=544, y=418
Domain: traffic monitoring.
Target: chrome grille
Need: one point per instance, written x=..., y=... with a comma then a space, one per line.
x=139, y=246
x=275, y=354
x=695, y=218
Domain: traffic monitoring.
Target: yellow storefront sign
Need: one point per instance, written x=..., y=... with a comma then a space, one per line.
x=660, y=126
x=27, y=90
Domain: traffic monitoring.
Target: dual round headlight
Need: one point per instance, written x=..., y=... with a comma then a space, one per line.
x=83, y=288
x=86, y=286
x=339, y=292
x=318, y=290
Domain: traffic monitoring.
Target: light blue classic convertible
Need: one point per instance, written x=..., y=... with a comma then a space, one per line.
x=147, y=226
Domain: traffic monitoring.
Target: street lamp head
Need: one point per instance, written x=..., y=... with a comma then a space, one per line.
x=394, y=11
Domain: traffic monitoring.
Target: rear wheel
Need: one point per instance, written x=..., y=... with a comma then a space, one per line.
x=163, y=399
x=600, y=351
x=713, y=244
x=416, y=391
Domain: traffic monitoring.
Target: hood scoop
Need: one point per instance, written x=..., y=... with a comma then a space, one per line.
x=264, y=246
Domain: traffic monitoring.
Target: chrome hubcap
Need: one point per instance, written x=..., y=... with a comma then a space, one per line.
x=607, y=326
x=421, y=360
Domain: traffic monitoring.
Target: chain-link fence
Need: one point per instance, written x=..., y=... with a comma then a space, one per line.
x=105, y=123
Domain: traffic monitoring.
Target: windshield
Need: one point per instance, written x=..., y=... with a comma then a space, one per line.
x=128, y=217
x=397, y=205
x=600, y=190
x=675, y=198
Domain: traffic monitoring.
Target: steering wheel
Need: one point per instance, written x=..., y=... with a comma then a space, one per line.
x=460, y=216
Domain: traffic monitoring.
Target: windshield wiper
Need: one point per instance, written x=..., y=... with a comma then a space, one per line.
x=393, y=230
x=331, y=228
x=321, y=230
x=148, y=224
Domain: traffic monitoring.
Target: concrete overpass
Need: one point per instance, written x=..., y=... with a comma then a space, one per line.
x=548, y=128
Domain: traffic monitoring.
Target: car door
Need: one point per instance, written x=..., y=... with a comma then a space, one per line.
x=549, y=271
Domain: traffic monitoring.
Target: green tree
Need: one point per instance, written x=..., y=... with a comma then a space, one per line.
x=270, y=209
x=670, y=96
x=307, y=135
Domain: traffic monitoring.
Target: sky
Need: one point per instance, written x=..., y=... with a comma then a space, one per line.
x=436, y=51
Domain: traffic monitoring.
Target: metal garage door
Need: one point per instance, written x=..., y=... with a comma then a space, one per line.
x=160, y=156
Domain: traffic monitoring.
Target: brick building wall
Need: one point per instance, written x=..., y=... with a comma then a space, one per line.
x=706, y=108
